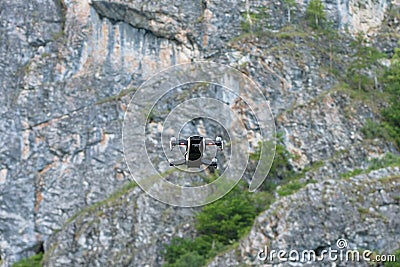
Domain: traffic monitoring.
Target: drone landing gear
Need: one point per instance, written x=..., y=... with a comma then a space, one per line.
x=177, y=162
x=172, y=143
x=213, y=163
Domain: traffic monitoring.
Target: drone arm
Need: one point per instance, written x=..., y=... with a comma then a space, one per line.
x=218, y=142
x=206, y=162
x=177, y=162
x=182, y=142
x=173, y=142
x=210, y=142
x=212, y=163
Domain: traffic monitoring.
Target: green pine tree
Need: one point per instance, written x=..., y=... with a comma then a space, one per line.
x=391, y=114
x=364, y=59
x=315, y=13
x=290, y=4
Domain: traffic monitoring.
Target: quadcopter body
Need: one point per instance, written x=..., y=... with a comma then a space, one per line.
x=195, y=147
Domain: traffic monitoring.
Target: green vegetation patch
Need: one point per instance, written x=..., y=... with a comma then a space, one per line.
x=255, y=22
x=34, y=261
x=388, y=160
x=222, y=223
x=315, y=14
x=290, y=188
x=117, y=96
x=107, y=202
x=388, y=128
x=364, y=61
x=391, y=115
x=219, y=225
x=394, y=263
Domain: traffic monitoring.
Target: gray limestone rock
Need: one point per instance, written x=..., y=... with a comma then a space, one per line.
x=127, y=229
x=363, y=210
x=67, y=71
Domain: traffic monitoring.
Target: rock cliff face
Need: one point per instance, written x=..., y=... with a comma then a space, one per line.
x=363, y=210
x=129, y=228
x=67, y=70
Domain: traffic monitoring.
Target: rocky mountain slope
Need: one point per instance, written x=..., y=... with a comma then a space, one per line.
x=128, y=228
x=364, y=210
x=68, y=69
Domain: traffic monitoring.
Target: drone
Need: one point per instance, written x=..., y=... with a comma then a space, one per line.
x=195, y=147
